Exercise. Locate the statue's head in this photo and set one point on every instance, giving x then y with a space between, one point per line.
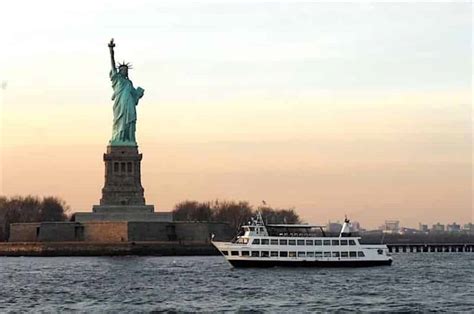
123 68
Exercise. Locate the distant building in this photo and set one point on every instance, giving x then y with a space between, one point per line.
423 227
391 226
469 228
438 228
355 226
333 227
454 227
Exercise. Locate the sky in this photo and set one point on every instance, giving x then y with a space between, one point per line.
333 108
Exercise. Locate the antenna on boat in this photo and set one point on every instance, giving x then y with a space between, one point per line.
345 227
260 218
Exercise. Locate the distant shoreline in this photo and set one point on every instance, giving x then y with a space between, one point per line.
175 248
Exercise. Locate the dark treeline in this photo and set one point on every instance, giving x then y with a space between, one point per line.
29 209
233 212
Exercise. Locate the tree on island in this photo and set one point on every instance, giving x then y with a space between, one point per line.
29 209
235 213
193 211
279 216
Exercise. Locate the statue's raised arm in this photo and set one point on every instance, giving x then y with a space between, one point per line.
112 57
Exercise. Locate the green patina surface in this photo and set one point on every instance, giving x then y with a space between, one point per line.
125 99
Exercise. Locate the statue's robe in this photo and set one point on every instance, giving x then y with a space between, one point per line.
125 99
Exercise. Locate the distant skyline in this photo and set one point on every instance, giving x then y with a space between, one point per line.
361 108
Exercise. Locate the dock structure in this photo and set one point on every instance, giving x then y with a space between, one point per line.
430 247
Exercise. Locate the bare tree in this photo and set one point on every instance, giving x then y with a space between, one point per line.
193 211
29 209
53 209
234 213
279 216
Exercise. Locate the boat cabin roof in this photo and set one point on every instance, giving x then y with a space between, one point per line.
293 226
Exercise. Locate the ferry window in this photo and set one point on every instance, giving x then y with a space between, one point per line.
343 242
301 254
344 254
283 254
265 241
327 242
274 241
353 254
309 242
292 242
252 228
300 242
261 229
380 251
242 241
352 242
274 253
335 254
245 253
310 254
360 254
225 252
256 241
292 254
327 254
318 254
318 242
255 254
283 242
264 254
335 242
234 253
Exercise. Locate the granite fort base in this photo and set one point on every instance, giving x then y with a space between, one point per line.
120 231
123 195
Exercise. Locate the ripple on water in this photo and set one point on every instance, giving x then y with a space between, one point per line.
416 282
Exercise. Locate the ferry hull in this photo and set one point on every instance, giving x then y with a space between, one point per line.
255 263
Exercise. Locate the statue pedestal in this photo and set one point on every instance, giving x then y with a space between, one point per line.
123 209
122 177
123 195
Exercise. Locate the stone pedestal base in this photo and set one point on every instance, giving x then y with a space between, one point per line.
124 216
122 184
110 209
123 195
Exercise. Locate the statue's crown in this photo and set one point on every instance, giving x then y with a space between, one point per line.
124 64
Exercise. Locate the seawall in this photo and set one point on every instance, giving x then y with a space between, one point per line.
150 248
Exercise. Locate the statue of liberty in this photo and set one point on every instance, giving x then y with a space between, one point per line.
125 99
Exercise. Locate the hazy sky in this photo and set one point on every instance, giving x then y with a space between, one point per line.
332 108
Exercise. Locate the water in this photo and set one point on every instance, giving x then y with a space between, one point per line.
424 282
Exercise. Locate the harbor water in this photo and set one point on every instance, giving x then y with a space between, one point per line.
415 282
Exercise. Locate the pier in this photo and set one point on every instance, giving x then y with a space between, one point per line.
430 247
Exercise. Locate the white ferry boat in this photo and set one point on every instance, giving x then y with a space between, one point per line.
261 245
